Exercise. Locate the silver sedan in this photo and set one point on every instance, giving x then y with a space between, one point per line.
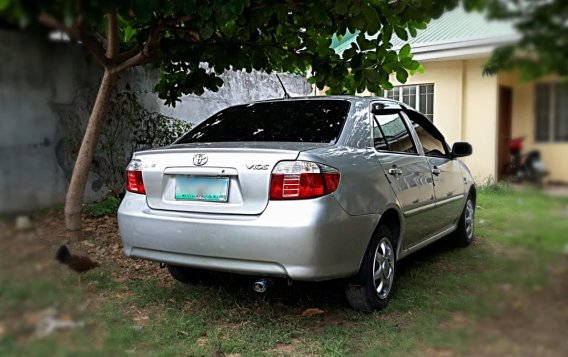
312 189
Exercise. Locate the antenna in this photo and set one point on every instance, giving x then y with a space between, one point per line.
286 95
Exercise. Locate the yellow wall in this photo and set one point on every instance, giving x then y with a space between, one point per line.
554 155
480 120
465 109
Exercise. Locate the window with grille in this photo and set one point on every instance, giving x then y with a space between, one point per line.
419 96
551 112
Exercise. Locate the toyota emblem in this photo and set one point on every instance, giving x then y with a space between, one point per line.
200 159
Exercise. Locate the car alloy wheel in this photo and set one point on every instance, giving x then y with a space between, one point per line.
383 268
372 287
469 219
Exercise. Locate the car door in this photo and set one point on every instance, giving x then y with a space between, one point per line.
408 173
449 187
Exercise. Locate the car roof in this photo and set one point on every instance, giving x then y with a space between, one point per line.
350 98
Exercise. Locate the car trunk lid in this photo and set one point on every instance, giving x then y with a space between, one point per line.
220 178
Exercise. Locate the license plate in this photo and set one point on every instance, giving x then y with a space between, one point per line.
210 189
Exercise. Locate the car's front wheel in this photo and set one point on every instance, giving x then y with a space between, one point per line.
372 288
465 233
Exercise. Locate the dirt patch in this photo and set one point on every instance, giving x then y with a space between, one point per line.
533 324
285 349
31 251
458 321
30 254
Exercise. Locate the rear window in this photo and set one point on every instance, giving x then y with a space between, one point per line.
314 121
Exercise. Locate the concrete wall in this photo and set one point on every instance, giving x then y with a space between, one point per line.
44 85
35 76
239 87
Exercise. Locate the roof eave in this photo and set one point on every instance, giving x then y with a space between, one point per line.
474 48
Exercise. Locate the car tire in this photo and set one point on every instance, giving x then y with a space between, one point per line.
465 232
185 275
371 289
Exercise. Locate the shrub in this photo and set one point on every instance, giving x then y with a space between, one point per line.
106 207
129 127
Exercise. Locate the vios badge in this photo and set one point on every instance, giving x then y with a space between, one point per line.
200 159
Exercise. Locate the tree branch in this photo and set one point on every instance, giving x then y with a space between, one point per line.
100 38
192 32
136 60
88 39
146 54
112 36
53 23
94 46
129 53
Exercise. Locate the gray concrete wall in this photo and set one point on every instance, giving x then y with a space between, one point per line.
45 86
35 75
239 87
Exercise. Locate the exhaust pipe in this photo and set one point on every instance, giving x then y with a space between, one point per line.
261 285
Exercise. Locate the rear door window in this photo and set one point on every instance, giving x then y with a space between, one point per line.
391 134
431 145
316 121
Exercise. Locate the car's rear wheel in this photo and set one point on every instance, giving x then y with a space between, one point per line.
466 225
372 288
186 275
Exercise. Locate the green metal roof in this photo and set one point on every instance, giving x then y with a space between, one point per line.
456 26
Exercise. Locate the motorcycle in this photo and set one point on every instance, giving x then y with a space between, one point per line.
527 167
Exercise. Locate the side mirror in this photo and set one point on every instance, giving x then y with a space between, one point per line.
461 149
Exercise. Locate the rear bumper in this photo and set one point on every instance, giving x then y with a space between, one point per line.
302 240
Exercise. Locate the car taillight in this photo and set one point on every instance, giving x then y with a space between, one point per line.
292 180
134 181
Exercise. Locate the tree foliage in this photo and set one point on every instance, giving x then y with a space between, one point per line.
543 47
193 41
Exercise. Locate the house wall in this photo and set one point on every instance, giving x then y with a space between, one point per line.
523 124
465 109
480 117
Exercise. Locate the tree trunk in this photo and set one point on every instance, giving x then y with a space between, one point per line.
76 190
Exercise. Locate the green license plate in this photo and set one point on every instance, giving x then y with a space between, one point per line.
194 188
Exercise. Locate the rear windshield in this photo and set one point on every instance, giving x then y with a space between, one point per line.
314 121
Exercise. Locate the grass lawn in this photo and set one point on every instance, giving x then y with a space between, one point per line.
487 299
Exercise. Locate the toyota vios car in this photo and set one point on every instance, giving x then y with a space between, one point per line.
304 189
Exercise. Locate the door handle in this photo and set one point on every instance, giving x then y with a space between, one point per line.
395 172
436 171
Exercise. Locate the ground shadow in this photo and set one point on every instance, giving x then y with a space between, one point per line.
327 294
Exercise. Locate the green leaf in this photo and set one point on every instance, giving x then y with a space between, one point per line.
387 85
206 31
4 4
401 33
404 51
412 31
420 25
402 75
413 65
357 60
341 7
129 32
372 19
205 11
372 76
